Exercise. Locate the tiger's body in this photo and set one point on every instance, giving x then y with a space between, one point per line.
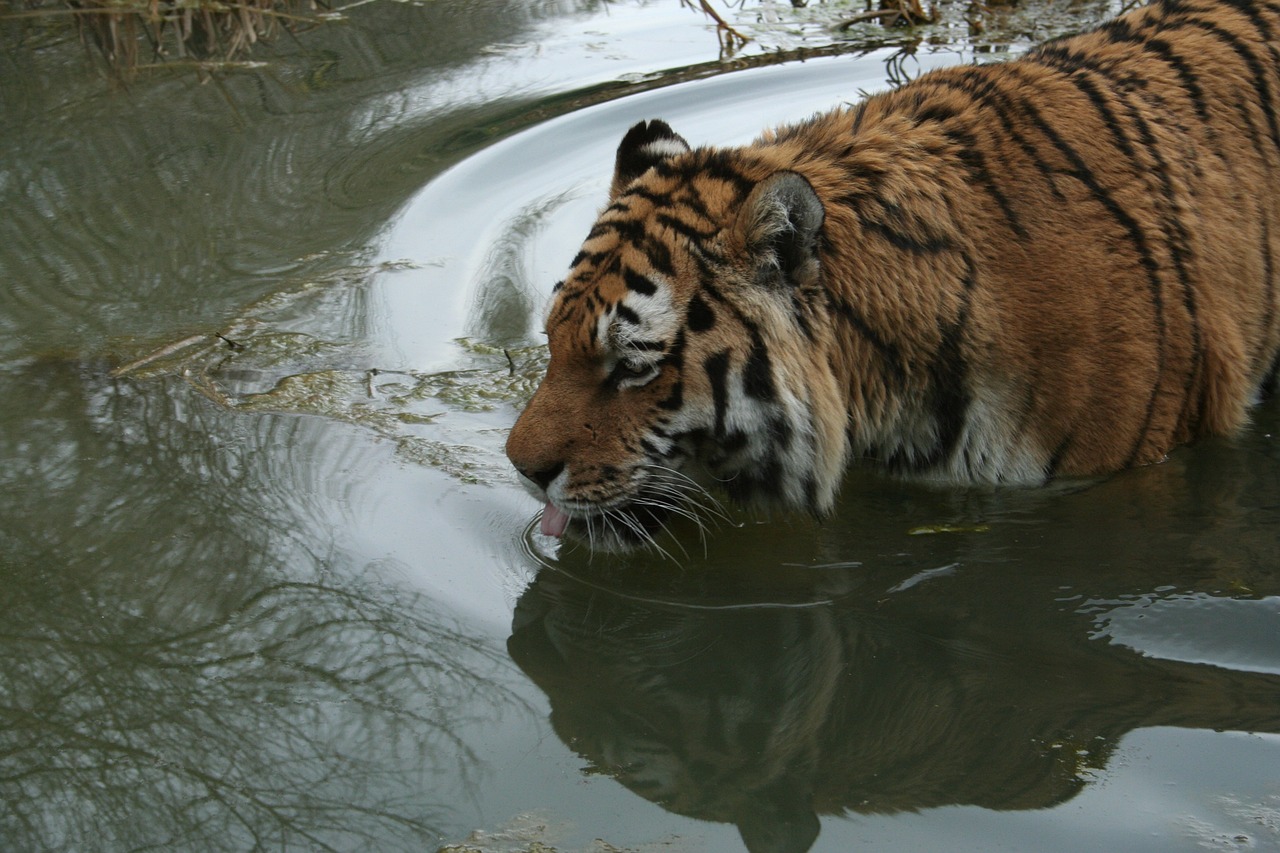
1063 265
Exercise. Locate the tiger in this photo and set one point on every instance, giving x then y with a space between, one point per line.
1059 266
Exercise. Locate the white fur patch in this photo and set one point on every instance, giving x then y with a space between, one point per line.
661 149
990 450
658 321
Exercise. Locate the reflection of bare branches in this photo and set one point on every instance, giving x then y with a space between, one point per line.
504 296
296 716
293 717
896 65
187 662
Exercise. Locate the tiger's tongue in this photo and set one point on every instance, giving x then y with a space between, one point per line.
554 521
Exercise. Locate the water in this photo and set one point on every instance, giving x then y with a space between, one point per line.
268 581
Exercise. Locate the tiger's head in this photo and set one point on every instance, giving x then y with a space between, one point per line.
690 345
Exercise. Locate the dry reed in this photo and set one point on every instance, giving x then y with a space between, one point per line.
133 33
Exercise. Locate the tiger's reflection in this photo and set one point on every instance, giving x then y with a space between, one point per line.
767 716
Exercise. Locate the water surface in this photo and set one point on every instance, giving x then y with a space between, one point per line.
269 582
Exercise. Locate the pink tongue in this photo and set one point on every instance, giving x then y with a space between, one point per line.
553 520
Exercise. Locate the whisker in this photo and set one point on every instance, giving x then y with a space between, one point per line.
675 509
676 480
685 496
633 524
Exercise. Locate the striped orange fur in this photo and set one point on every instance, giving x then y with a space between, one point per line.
1062 265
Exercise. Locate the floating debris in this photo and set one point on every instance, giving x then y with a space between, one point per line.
926 529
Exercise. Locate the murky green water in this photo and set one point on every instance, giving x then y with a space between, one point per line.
267 582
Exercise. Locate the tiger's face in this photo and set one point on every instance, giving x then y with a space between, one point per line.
688 347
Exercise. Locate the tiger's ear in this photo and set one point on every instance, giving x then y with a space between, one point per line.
780 223
646 144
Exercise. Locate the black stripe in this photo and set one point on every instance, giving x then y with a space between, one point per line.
766 477
659 256
949 397
1055 458
675 357
721 166
1074 66
770 477
684 228
563 307
933 111
691 200
977 83
1269 284
948 376
638 283
928 244
1177 238
889 353
1081 170
858 115
709 288
593 257
757 375
1119 31
1264 29
700 317
733 442
1270 381
800 313
656 199
626 229
1257 71
1255 17
976 164
780 433
811 494
717 369
626 315
674 399
1190 83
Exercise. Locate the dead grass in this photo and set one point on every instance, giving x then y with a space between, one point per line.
130 34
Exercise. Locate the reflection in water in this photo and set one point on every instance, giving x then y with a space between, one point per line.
189 659
241 187
198 650
506 296
766 717
858 679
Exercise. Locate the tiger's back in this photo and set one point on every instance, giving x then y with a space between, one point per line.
1112 279
1062 265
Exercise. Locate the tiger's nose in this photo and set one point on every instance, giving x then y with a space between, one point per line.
543 477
